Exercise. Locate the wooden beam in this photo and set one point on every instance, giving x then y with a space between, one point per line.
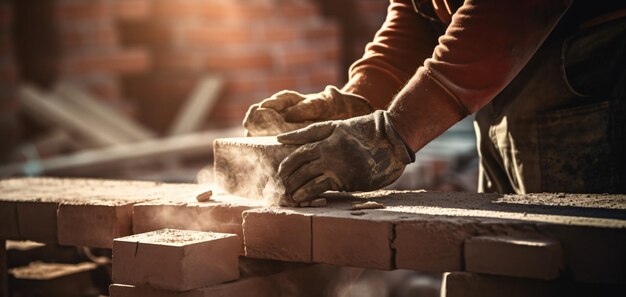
129 129
90 161
197 107
55 112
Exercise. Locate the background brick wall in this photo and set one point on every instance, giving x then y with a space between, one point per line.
144 57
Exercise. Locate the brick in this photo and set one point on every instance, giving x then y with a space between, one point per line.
104 35
176 60
91 212
175 259
210 36
239 61
126 61
77 11
52 279
464 284
278 33
245 166
132 10
298 57
539 258
93 224
220 214
278 234
358 241
429 245
283 81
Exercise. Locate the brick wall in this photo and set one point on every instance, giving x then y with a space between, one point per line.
91 53
258 46
149 54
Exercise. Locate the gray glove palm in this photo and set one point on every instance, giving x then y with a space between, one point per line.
287 110
359 154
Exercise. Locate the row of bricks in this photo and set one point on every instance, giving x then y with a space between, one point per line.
406 235
410 233
403 238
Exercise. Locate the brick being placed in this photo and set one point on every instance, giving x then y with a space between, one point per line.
246 166
540 258
176 260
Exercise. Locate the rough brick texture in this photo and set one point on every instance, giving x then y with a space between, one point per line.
425 231
514 256
176 260
246 166
81 212
265 43
278 235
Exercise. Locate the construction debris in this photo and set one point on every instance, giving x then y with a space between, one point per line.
204 196
367 205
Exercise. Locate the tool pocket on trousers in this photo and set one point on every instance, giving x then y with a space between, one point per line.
575 149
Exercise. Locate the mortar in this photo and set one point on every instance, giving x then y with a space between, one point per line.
245 166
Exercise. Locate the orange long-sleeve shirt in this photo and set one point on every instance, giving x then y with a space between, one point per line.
485 45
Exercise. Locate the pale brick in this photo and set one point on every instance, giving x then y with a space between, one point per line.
220 214
277 234
93 212
176 260
464 284
358 241
514 256
429 245
93 224
243 166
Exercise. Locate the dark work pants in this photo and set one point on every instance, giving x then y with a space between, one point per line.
559 126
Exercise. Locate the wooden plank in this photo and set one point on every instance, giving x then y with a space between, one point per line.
197 107
91 106
92 161
53 111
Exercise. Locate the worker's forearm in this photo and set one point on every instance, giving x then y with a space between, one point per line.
403 42
423 110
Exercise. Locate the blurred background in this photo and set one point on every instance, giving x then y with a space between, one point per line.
138 89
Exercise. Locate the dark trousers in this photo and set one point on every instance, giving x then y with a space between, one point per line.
559 126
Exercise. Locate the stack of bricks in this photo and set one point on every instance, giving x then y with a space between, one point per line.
259 47
91 53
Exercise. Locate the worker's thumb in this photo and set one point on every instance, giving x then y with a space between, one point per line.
309 134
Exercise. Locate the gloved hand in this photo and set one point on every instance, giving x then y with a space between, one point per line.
359 154
287 110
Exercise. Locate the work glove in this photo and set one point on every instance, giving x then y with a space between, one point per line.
287 110
359 154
